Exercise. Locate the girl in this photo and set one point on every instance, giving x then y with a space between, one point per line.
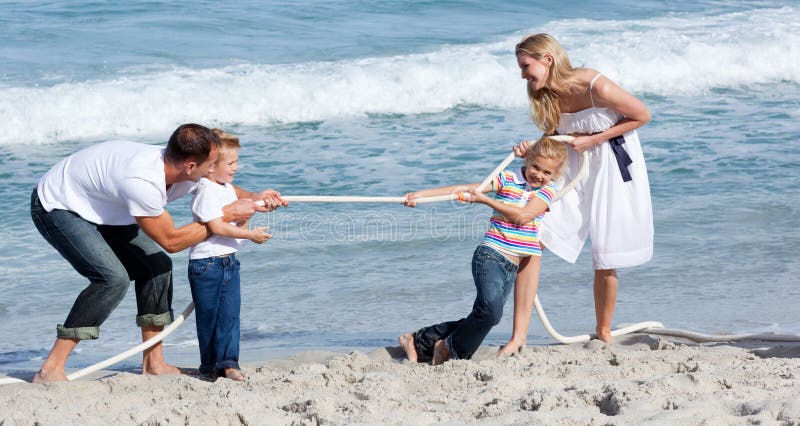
509 248
612 205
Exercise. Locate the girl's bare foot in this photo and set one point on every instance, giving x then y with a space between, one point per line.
510 348
440 353
604 334
235 374
43 376
407 343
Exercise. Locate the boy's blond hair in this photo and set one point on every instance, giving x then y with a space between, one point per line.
228 140
549 148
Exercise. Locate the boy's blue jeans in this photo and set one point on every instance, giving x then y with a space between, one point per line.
110 257
217 301
494 276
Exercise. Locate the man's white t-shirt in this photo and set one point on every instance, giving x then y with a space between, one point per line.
111 183
209 198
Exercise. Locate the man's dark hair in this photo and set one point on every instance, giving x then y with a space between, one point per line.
190 141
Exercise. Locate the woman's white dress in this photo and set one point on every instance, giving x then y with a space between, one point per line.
615 214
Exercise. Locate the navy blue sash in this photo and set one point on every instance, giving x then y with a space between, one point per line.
623 159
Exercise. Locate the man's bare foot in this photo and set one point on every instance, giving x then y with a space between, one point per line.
49 376
407 343
159 369
510 348
440 353
604 334
235 374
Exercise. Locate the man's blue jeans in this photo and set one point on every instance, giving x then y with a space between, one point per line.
494 276
217 301
110 257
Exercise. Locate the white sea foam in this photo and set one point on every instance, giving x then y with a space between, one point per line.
681 54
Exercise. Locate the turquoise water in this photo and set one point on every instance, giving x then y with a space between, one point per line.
352 98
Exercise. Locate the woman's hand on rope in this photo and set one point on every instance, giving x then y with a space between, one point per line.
582 142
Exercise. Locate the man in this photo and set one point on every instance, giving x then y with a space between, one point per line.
102 208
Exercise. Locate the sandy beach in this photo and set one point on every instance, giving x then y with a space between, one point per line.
638 379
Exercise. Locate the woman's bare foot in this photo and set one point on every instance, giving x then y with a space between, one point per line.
510 348
407 343
43 376
235 374
604 334
440 353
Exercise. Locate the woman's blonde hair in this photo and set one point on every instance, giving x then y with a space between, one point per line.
549 148
545 111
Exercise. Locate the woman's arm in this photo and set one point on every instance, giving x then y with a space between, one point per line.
608 94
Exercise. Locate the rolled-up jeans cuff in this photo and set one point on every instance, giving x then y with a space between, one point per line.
449 343
80 333
154 319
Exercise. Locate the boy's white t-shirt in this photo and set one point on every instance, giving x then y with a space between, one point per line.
111 183
209 198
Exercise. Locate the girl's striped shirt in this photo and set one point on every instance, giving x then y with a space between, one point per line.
506 237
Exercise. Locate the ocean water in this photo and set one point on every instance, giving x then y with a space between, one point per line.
381 98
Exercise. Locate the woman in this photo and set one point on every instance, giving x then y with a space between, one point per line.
612 205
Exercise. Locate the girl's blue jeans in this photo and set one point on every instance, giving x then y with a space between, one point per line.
494 277
110 257
217 301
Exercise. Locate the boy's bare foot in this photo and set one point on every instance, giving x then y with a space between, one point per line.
510 348
440 353
407 343
43 376
604 334
235 374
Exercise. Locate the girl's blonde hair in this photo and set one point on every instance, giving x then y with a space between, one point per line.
545 111
549 148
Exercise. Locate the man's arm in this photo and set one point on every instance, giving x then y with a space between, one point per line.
162 230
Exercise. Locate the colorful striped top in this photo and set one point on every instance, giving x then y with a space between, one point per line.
505 236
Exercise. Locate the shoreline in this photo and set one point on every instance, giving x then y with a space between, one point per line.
637 379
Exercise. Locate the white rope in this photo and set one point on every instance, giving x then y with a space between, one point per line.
701 337
651 327
135 350
586 337
500 167
127 354
319 199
